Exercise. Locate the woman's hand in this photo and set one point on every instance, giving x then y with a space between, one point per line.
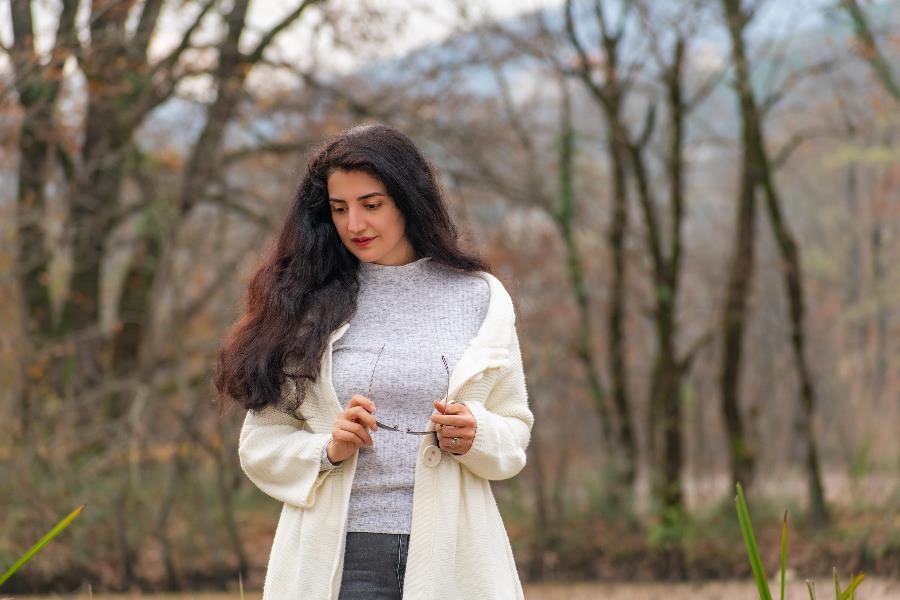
456 427
351 429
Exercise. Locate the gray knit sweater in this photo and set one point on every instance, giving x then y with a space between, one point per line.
416 312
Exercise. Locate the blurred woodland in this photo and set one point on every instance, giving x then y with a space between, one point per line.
695 205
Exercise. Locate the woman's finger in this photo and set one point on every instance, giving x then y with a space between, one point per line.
360 431
463 445
356 429
362 401
448 433
454 420
361 415
456 408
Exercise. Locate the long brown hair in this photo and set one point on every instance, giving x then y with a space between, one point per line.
306 286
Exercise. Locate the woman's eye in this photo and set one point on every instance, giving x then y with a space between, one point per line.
372 206
337 209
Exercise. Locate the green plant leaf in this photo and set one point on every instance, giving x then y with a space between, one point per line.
850 592
759 573
812 589
837 584
57 529
783 551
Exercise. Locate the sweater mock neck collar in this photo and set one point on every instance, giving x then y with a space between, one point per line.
376 272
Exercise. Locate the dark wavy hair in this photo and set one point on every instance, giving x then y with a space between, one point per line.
307 284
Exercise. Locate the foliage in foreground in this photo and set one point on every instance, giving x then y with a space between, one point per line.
57 529
759 572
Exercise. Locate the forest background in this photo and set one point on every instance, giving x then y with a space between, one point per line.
695 205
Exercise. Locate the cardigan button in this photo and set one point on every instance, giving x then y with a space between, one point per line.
431 456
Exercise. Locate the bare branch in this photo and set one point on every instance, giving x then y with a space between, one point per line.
23 29
108 19
235 156
521 132
694 349
168 63
359 108
705 89
796 140
223 275
583 68
793 80
871 52
529 45
256 55
146 26
226 201
649 126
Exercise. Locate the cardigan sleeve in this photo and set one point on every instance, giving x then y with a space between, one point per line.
503 423
280 457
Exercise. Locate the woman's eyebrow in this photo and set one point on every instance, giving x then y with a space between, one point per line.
363 197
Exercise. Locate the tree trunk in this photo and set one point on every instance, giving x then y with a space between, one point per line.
664 414
879 376
755 151
609 98
37 86
565 218
793 283
741 271
200 170
667 288
617 350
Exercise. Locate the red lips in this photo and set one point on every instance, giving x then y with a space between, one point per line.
362 241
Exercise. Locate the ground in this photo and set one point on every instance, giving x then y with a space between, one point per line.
874 589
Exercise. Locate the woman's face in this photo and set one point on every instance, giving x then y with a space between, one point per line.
367 220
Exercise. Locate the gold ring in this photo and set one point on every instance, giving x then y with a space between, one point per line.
454 443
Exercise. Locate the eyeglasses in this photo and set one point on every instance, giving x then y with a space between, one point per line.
399 428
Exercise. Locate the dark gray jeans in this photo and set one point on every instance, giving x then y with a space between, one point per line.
374 566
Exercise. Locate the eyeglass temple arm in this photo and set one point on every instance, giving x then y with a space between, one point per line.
407 429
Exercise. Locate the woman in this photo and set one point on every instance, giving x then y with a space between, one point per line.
381 370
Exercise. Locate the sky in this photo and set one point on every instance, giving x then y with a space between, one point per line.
412 23
402 26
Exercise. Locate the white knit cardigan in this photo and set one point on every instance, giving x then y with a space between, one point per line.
458 545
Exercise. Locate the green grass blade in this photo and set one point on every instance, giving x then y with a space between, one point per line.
837 584
850 592
812 589
759 573
783 551
41 543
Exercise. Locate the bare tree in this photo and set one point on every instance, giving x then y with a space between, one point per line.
124 83
740 283
610 91
759 176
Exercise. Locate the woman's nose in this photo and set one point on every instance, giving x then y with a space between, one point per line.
355 222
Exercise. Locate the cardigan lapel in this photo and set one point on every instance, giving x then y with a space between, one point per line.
326 383
490 347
